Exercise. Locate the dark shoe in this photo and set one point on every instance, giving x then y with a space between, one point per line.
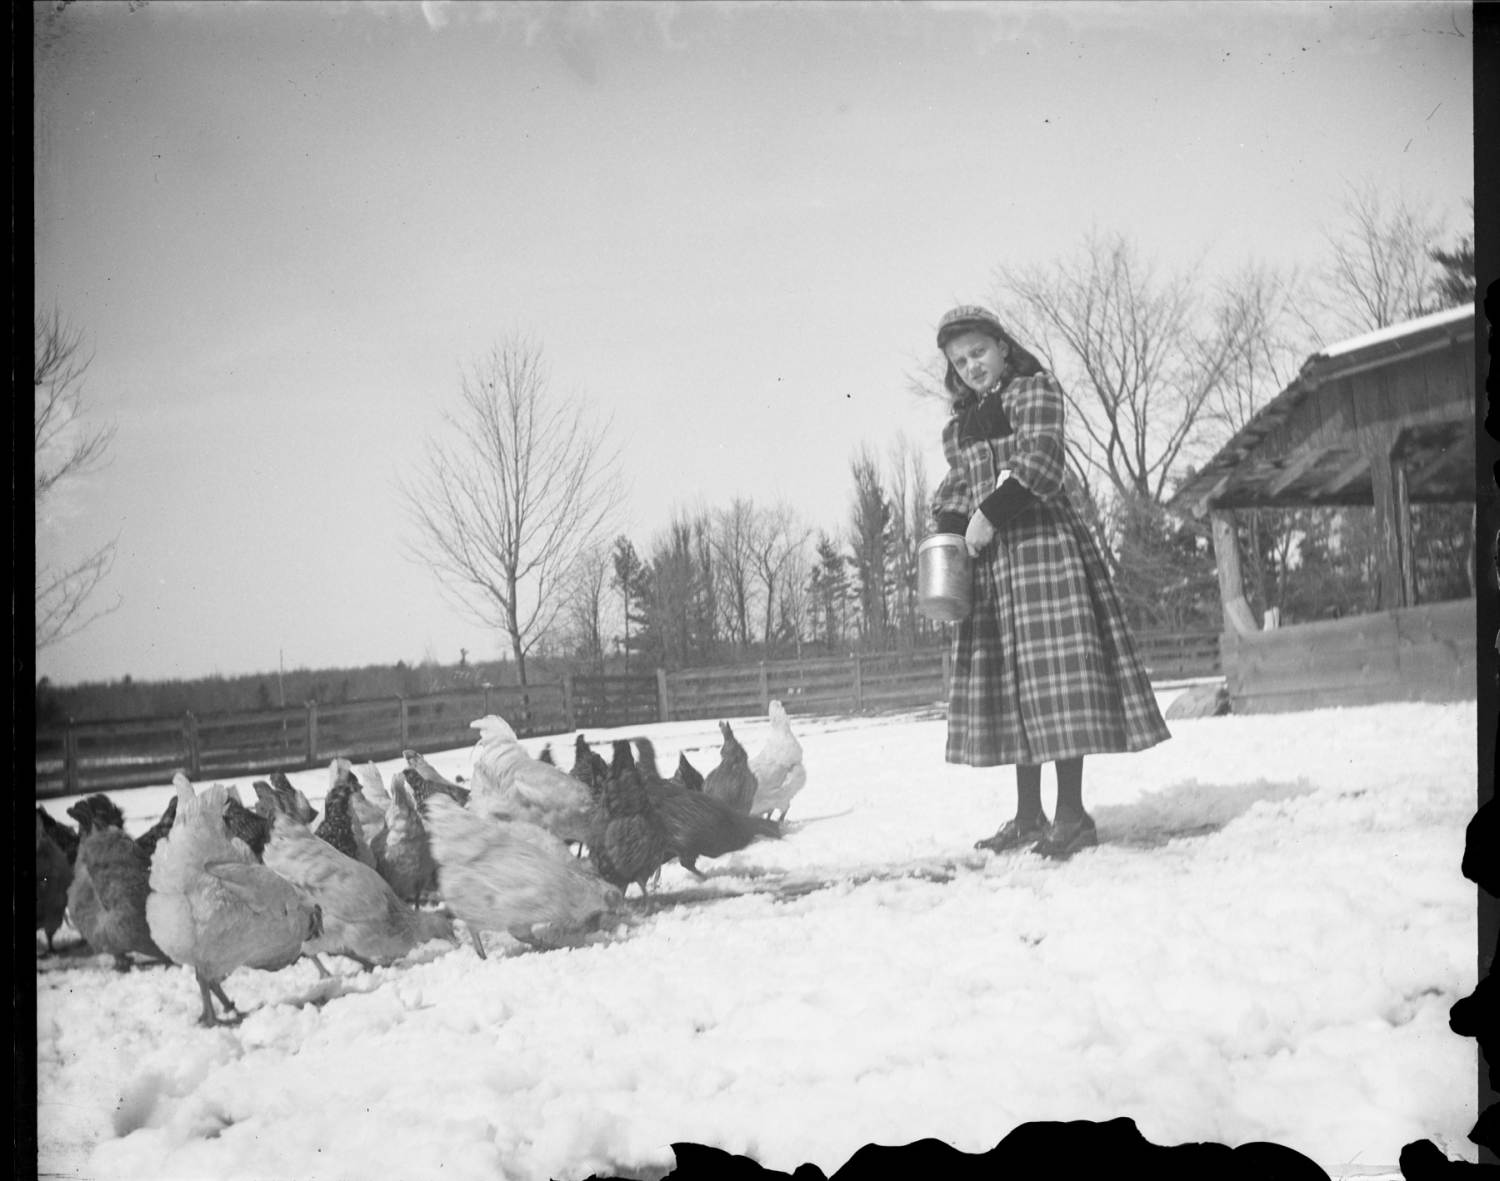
1066 837
1013 834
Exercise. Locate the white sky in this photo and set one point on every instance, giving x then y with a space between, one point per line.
286 228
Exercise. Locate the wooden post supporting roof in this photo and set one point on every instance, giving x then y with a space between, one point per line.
1237 614
1392 517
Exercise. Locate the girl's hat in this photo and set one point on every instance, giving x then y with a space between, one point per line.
969 318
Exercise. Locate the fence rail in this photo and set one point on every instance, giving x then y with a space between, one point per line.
94 756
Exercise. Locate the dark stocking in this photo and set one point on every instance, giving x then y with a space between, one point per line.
1069 789
1028 795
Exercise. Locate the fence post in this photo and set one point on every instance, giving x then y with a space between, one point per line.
663 698
70 759
190 743
569 718
312 732
487 708
765 690
859 688
405 723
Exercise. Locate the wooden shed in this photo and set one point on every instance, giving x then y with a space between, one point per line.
1384 419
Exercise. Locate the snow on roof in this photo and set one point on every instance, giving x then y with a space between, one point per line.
1397 331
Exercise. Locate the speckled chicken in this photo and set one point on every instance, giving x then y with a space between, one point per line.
419 764
213 908
495 880
53 877
732 781
509 784
369 818
339 827
111 880
404 857
362 916
249 826
777 766
589 768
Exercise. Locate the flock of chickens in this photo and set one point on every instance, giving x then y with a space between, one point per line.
542 854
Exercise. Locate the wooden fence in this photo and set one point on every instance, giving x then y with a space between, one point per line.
95 756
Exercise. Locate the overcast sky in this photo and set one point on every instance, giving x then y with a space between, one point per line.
287 228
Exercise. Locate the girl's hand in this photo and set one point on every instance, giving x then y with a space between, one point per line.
979 533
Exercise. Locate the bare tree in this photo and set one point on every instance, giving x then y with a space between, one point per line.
503 511
587 604
1380 269
735 538
777 560
1139 355
66 449
869 532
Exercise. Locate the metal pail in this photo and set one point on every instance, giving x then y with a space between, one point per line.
945 586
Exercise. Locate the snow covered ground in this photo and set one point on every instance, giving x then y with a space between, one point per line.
1264 947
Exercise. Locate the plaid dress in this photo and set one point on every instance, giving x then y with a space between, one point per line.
1044 667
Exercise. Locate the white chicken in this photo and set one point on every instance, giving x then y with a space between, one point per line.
362 916
508 784
497 880
214 908
373 786
779 773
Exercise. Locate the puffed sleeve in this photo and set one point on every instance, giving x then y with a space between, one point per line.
953 502
1035 452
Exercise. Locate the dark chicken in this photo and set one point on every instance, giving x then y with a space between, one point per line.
645 759
250 826
687 775
148 840
589 768
732 781
628 842
64 836
698 825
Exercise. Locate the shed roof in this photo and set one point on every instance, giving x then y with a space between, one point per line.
1243 472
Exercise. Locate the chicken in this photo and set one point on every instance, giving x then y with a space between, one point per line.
251 827
588 767
546 756
362 916
96 811
509 784
732 781
53 877
340 829
292 798
645 758
628 842
404 858
422 788
64 836
778 769
686 774
422 767
149 839
698 825
374 789
213 908
107 899
496 881
369 817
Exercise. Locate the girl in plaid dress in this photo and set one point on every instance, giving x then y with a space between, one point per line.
1045 670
